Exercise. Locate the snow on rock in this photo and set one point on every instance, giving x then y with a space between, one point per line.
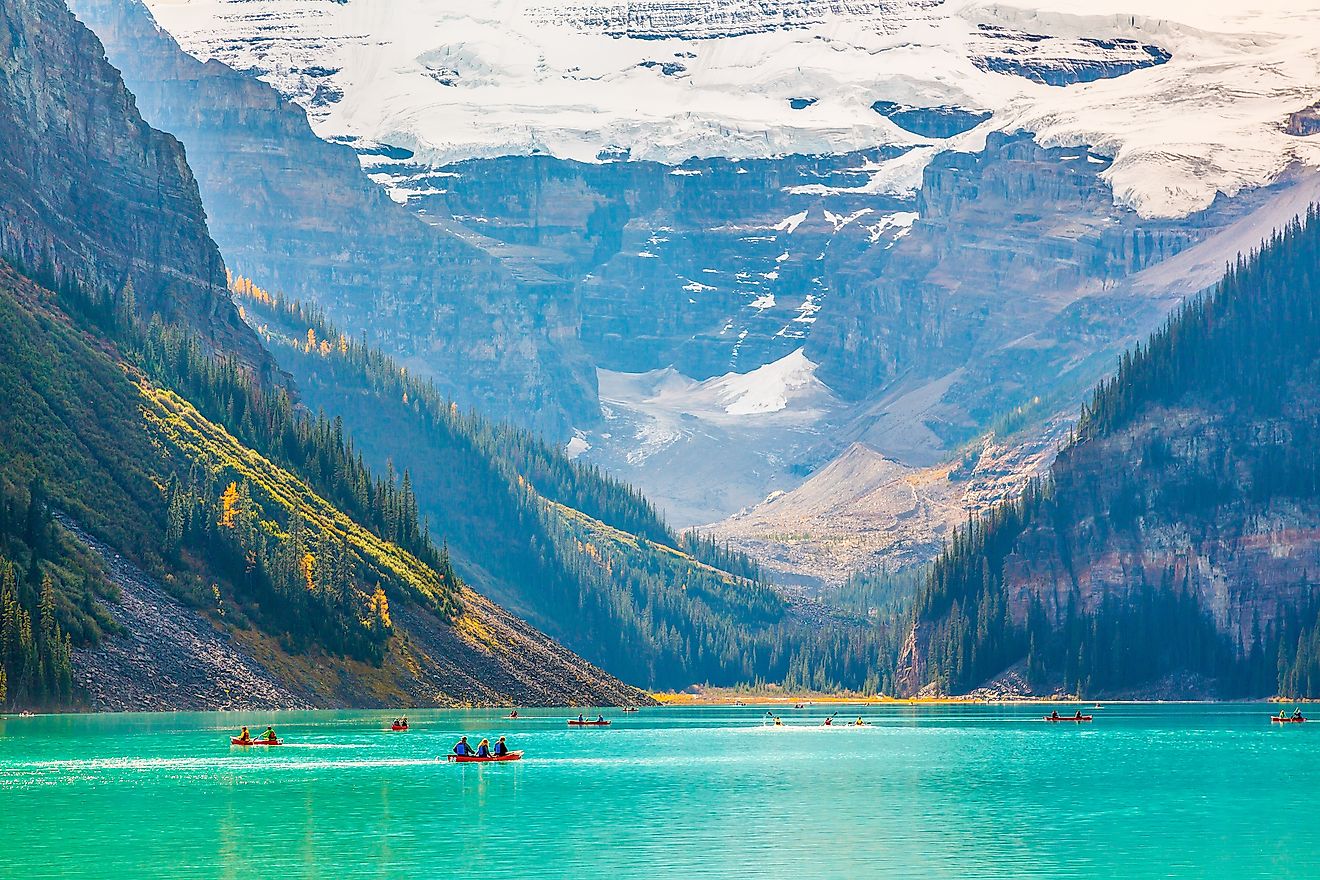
766 389
576 446
1190 99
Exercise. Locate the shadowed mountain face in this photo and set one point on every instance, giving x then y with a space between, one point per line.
299 214
92 196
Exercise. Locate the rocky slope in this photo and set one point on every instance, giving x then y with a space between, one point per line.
90 194
298 213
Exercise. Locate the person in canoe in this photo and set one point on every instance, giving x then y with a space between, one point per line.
462 748
582 719
483 749
501 749
829 722
600 719
859 722
1054 716
513 714
269 734
245 736
1297 713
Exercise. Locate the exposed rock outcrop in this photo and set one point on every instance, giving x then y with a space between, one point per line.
90 194
300 215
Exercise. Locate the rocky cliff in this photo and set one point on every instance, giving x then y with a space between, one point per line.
92 196
300 214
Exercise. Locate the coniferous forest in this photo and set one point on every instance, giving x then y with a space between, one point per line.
1208 427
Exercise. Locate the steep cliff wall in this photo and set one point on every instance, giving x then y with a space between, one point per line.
90 194
299 213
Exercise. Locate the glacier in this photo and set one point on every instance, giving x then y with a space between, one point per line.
1187 99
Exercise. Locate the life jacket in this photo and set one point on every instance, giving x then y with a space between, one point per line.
483 752
462 749
501 749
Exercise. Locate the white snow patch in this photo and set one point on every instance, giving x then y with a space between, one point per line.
766 389
899 221
789 224
576 446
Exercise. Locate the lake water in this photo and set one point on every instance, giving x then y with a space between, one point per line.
958 791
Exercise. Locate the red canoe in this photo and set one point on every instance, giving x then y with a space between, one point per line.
588 724
1286 720
398 727
473 759
1068 718
235 741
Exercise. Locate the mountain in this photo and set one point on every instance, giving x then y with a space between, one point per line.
1003 200
177 531
299 213
131 233
1174 548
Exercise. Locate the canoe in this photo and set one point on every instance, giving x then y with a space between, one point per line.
235 741
398 727
473 759
1068 718
1286 720
588 724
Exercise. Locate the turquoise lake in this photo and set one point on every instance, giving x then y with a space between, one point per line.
957 791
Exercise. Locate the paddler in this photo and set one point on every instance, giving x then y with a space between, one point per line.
269 735
245 736
1297 713
513 714
483 749
582 719
600 719
860 722
1054 716
462 748
500 748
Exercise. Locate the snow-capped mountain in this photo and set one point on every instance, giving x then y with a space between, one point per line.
919 220
1189 99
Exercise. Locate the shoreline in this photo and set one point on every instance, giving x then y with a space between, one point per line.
722 698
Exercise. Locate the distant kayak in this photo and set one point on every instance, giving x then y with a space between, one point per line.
473 759
576 723
1068 718
235 741
1286 720
398 727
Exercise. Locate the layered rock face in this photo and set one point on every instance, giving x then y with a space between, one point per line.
1148 514
92 196
298 213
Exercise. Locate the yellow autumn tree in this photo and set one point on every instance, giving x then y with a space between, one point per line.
307 565
228 506
378 612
